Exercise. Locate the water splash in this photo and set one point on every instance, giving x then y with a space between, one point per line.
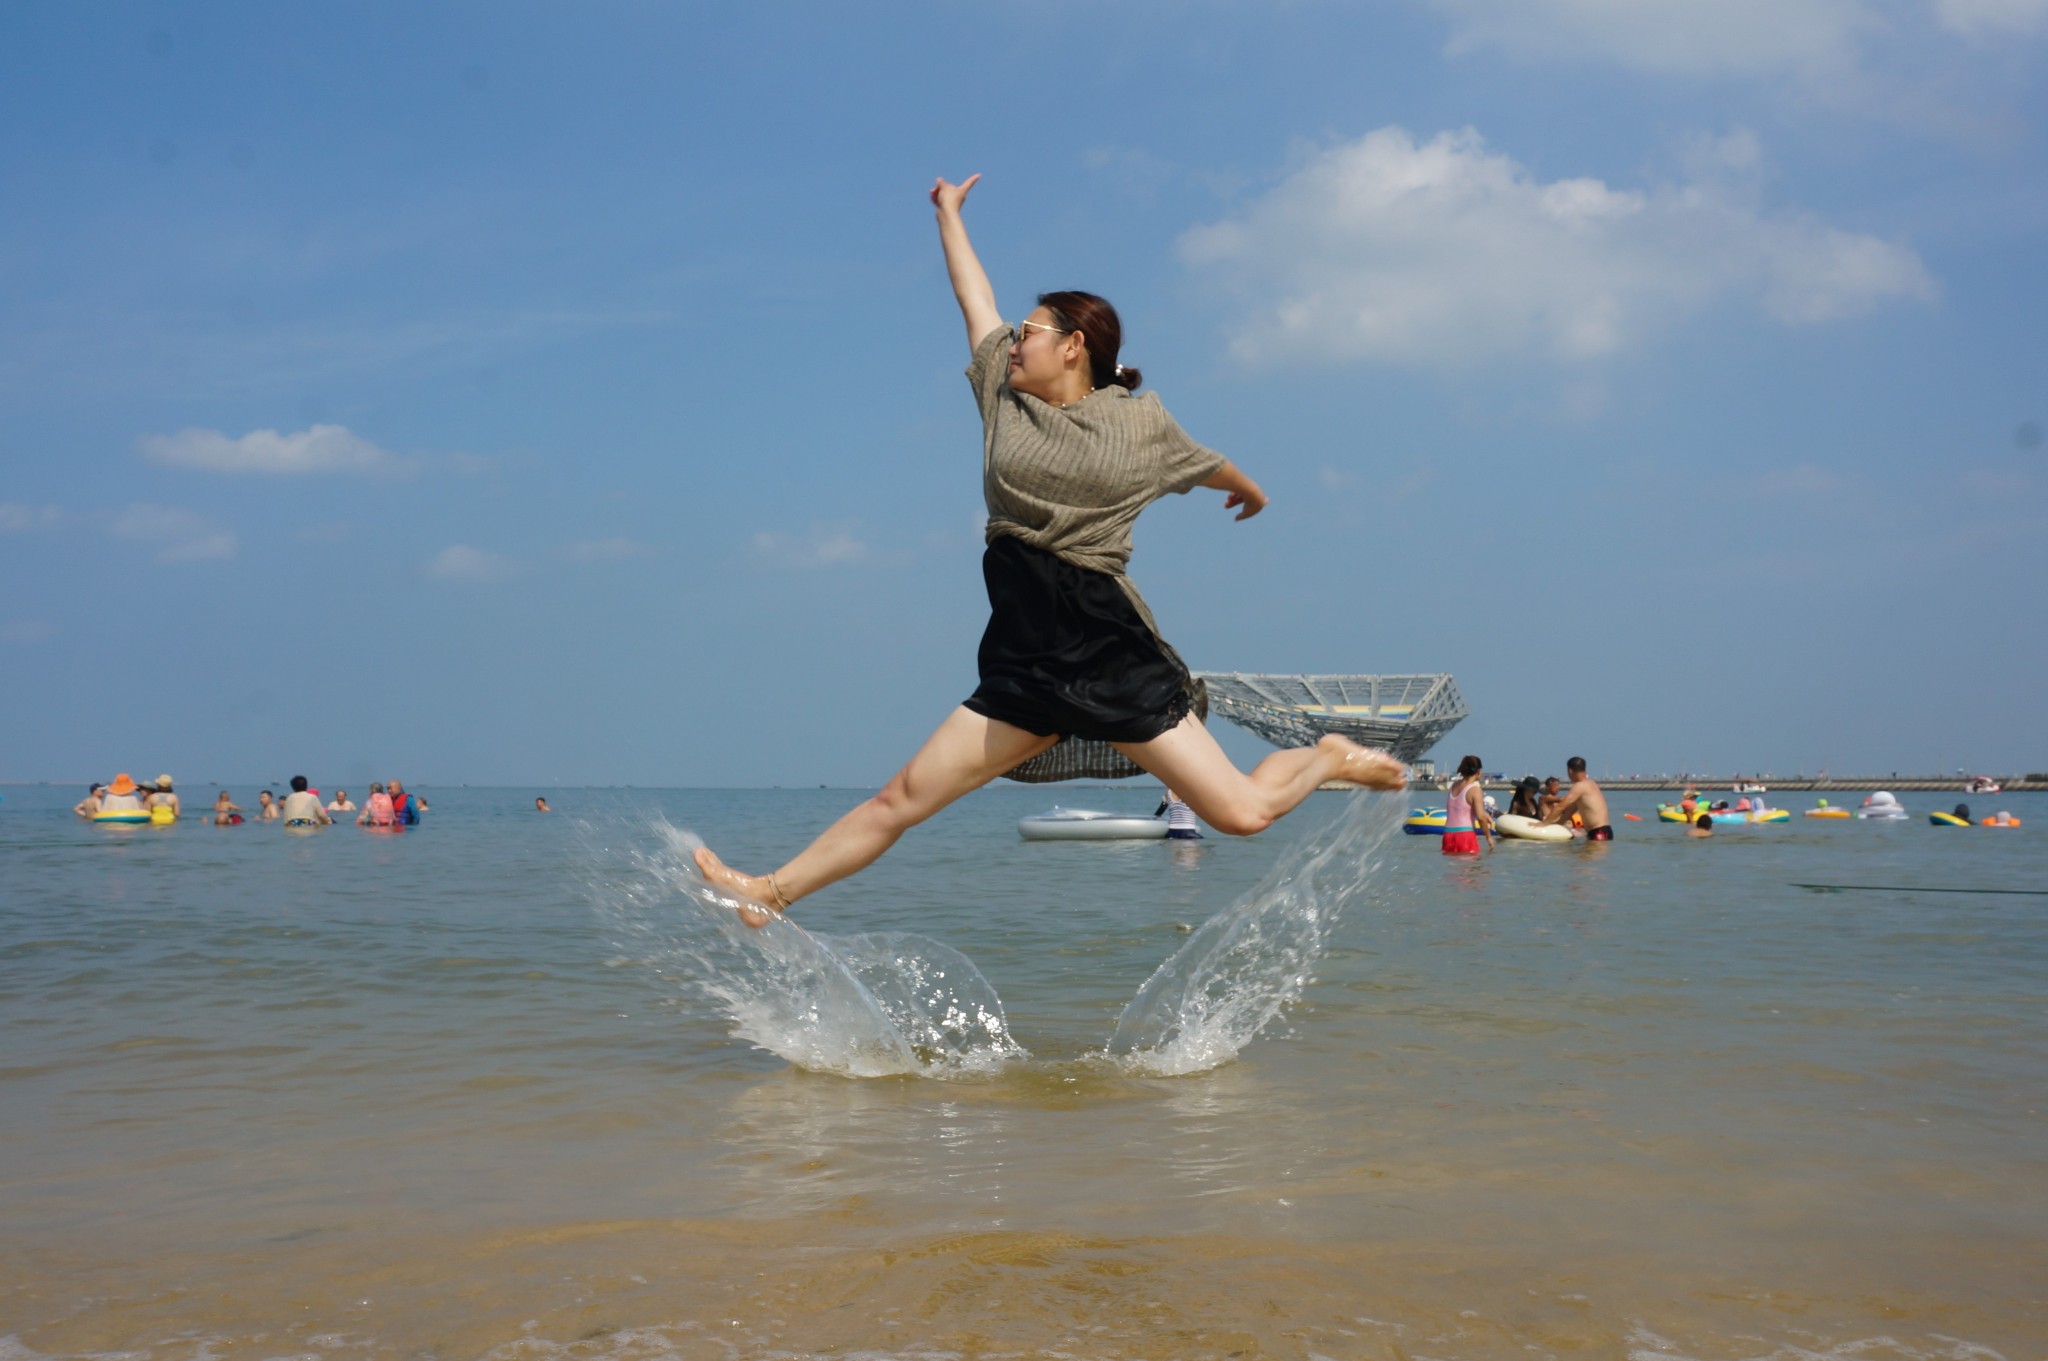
1252 960
870 1005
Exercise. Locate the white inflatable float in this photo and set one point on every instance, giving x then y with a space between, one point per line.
1082 824
1529 829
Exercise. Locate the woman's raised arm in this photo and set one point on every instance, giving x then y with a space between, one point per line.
971 288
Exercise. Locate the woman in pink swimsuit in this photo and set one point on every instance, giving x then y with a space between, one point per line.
1466 811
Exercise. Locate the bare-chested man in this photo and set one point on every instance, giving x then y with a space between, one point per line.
1587 798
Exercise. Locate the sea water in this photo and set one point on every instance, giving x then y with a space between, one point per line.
517 1086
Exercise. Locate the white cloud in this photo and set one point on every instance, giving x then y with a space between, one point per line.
16 518
460 562
317 449
607 550
176 535
25 632
1445 252
826 545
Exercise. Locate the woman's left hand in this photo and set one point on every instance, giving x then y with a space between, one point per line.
1250 497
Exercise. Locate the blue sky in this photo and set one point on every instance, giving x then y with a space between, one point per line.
537 393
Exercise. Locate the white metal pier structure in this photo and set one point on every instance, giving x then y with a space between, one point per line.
1407 715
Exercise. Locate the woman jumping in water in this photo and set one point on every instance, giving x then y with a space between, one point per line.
1069 458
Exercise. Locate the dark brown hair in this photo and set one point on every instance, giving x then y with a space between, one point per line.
1099 325
1469 766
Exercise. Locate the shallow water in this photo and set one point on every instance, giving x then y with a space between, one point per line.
476 1090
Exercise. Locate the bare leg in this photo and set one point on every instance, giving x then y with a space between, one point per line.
965 753
1187 758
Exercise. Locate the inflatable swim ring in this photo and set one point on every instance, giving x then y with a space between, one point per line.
1082 824
1424 822
2003 820
1729 819
1947 820
126 817
1829 813
1529 829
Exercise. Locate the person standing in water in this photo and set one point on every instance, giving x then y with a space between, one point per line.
1070 456
408 807
166 796
302 807
1465 811
1587 799
377 809
1180 819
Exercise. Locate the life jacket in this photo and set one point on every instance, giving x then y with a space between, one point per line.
406 809
378 813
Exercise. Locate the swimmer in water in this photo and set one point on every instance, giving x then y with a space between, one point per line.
1070 457
302 806
1465 813
540 805
226 813
1586 799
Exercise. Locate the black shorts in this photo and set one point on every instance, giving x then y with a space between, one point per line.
1066 653
1600 834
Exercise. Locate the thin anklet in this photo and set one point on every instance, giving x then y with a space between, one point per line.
781 900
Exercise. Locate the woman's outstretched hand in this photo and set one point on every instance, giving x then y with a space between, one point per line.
1251 498
950 198
1243 491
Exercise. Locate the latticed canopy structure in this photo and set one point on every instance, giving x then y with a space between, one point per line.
1405 714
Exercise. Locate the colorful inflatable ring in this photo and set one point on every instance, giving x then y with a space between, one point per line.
124 817
1947 820
1425 822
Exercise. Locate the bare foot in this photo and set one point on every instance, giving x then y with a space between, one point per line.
757 892
1368 766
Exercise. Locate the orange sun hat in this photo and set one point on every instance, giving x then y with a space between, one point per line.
124 783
